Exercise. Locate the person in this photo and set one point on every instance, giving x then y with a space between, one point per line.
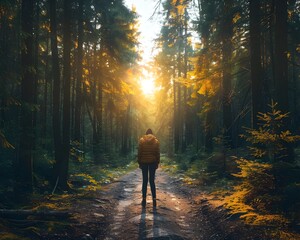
148 159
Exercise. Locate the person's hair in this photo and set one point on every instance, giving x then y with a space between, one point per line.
149 131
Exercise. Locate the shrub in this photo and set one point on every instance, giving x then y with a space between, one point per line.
268 184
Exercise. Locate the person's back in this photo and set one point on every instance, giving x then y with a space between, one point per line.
148 159
148 149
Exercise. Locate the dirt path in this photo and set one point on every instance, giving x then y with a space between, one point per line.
173 218
182 212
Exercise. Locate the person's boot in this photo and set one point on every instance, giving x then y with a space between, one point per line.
154 202
144 202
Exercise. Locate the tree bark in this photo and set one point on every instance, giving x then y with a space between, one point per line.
186 138
175 115
77 133
126 129
208 129
281 61
99 106
44 107
24 171
255 60
227 70
56 118
64 164
281 68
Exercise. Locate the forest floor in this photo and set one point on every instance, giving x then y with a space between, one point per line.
182 212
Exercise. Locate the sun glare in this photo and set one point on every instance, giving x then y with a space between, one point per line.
147 86
147 82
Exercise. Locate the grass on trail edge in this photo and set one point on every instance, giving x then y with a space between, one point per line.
225 193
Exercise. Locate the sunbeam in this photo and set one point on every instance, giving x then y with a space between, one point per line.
147 86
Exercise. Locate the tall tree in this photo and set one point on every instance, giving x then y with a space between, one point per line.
281 67
78 105
56 95
295 39
227 33
255 60
174 36
207 70
64 165
24 171
281 54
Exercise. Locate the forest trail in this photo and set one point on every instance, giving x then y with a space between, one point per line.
183 212
173 218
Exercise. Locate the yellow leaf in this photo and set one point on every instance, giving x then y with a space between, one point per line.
194 95
180 9
236 17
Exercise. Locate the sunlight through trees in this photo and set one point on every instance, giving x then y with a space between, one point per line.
81 81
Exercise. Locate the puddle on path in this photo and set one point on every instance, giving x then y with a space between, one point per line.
161 233
150 217
177 208
128 189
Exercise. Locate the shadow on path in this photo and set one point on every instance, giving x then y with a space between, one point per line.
171 219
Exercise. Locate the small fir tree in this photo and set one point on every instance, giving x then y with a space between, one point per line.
262 190
270 140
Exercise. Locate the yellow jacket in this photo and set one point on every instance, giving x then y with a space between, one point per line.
148 151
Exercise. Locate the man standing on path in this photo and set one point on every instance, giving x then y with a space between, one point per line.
148 159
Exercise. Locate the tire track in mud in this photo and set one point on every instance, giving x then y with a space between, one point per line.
173 218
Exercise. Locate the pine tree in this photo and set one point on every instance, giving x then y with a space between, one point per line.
270 140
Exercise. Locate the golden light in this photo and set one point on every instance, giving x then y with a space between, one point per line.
147 86
147 82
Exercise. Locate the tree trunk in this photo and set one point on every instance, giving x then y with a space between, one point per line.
227 69
56 119
126 131
63 173
175 116
295 111
24 172
97 110
281 68
271 85
208 129
255 60
281 62
99 106
36 67
185 137
77 133
180 103
44 107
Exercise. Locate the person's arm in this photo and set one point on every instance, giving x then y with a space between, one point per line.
157 154
139 153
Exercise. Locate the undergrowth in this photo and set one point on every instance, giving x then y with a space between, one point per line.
86 179
201 169
248 189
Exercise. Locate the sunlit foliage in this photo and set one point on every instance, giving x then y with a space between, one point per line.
254 200
263 192
270 139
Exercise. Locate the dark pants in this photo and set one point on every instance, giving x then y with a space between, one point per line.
149 170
